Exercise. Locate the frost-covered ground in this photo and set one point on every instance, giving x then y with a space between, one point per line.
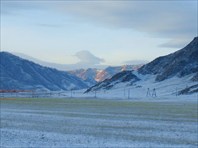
165 90
72 122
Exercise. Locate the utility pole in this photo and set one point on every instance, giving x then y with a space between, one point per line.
32 94
124 93
154 93
129 93
148 94
95 94
71 93
176 92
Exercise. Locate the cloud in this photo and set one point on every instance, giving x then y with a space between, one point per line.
161 19
135 62
175 43
90 62
87 58
14 7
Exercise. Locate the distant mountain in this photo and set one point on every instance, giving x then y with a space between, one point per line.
112 70
92 75
183 63
88 75
180 63
121 77
18 73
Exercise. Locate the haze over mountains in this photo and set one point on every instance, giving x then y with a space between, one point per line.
82 64
178 65
85 62
18 73
90 75
61 67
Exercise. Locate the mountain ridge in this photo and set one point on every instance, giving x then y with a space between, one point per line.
19 73
94 75
175 63
179 64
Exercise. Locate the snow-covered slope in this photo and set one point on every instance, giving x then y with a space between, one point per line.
178 70
18 73
121 77
167 89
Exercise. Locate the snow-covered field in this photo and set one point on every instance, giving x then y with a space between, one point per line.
165 90
72 122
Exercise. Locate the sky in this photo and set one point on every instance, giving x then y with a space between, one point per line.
97 32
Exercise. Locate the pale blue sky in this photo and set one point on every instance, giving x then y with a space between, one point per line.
113 32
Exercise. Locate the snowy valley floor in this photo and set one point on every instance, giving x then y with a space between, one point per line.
72 122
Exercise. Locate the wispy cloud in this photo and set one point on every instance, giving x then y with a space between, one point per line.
175 43
165 19
13 7
135 62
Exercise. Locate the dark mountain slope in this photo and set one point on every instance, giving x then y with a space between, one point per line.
180 63
18 73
